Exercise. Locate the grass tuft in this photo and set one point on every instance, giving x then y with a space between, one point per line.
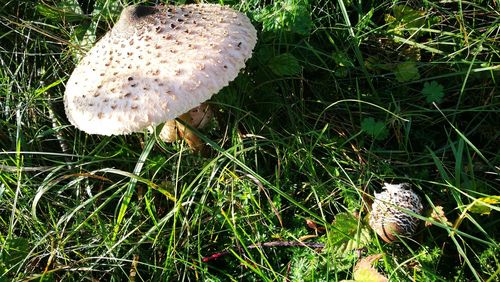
338 98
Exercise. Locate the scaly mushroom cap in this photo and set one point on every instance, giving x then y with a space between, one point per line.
156 64
388 217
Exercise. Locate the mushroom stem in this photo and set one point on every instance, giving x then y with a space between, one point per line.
197 117
194 142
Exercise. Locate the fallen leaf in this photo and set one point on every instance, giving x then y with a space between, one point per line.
311 224
439 216
365 272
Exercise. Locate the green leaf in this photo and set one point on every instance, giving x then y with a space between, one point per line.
403 17
376 129
365 21
284 65
408 17
407 71
433 92
14 252
344 235
288 15
342 59
343 62
479 206
65 11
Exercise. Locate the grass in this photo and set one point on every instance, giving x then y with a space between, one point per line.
339 97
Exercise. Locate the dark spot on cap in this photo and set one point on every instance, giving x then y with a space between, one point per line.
142 11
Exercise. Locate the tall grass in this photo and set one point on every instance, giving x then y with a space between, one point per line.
339 97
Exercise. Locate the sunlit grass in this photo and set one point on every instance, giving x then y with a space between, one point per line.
330 106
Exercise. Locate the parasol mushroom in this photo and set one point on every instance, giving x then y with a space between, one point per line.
388 217
156 64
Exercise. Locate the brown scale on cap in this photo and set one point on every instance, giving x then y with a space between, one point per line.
164 49
388 216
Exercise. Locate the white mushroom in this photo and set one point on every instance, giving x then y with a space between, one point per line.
156 64
388 216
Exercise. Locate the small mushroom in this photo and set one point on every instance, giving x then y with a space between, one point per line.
156 64
388 216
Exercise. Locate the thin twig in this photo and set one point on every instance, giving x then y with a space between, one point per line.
218 255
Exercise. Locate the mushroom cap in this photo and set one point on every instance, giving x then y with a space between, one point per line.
156 64
388 217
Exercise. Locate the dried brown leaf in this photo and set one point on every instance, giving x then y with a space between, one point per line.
439 216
